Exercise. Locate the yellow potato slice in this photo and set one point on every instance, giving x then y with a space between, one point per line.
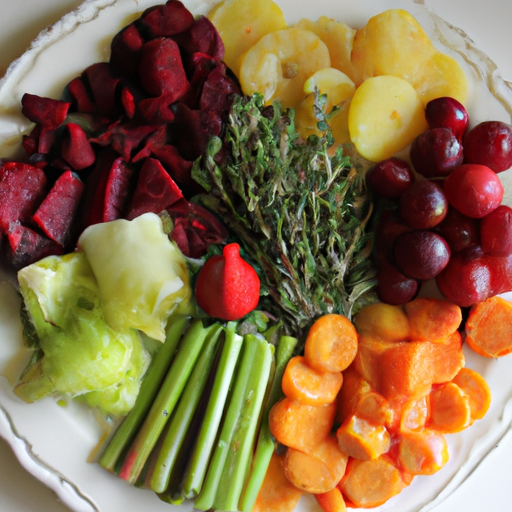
242 23
391 43
279 64
339 88
338 37
386 115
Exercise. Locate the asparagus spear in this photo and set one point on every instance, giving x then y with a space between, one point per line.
165 401
184 413
148 390
196 470
266 442
228 469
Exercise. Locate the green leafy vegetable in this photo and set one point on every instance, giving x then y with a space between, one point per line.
297 210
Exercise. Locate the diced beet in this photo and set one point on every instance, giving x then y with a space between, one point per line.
155 190
161 70
218 91
30 142
56 213
81 97
176 166
166 20
45 111
103 88
201 37
198 68
124 51
25 246
117 190
128 102
155 110
22 188
75 148
193 129
123 137
195 228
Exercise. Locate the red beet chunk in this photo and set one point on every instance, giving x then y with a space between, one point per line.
218 91
75 148
22 187
155 111
103 87
81 97
108 189
155 190
166 20
161 70
125 50
46 111
195 228
201 37
56 213
25 246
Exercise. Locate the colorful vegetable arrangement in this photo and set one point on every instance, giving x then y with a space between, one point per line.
227 346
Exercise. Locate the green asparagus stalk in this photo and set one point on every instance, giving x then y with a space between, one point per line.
148 391
184 413
165 401
266 443
201 454
228 468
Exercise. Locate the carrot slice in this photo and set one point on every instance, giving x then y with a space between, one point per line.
489 327
331 501
303 383
360 439
375 409
331 343
476 389
383 321
370 483
301 426
432 319
354 386
422 453
450 410
277 494
318 471
415 414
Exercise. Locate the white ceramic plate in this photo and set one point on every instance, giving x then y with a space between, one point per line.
53 442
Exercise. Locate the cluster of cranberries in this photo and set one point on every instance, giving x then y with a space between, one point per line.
446 220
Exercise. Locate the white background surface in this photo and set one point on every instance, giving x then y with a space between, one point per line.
487 22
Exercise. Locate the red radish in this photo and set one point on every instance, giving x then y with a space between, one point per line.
227 287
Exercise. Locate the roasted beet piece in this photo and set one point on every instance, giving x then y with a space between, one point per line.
218 91
155 111
22 188
81 97
161 70
107 190
103 88
25 246
124 51
45 111
75 148
56 214
201 37
195 228
166 20
193 129
155 190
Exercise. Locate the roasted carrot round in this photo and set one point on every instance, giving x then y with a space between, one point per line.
303 383
476 389
450 411
331 343
331 501
422 453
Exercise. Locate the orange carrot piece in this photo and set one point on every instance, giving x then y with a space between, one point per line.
383 321
331 343
301 426
450 410
303 383
432 319
354 386
319 471
360 439
489 327
375 409
422 453
331 501
476 389
370 483
277 494
415 414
